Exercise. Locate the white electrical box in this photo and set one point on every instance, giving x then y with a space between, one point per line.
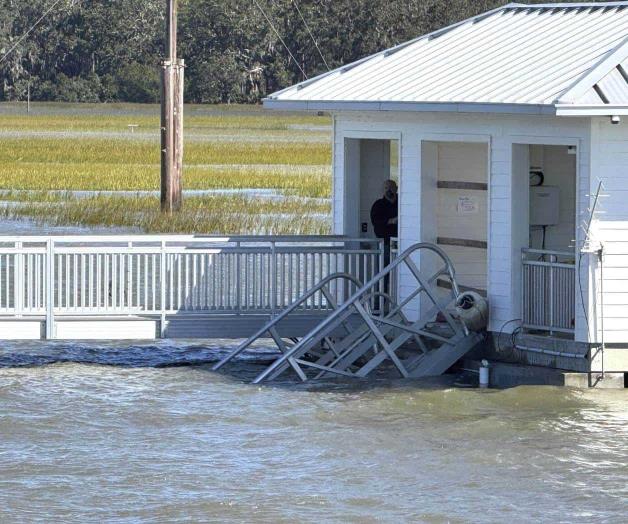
544 205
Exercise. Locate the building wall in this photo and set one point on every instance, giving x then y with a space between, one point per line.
609 164
501 133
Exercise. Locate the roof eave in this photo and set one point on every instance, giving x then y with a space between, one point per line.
446 107
592 110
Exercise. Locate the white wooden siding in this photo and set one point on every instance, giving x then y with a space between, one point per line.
609 164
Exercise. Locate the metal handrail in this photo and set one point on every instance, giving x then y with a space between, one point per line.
99 275
533 251
269 327
403 258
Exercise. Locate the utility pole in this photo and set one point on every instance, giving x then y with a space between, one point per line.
171 117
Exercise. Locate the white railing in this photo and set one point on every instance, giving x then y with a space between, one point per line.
104 275
548 290
393 285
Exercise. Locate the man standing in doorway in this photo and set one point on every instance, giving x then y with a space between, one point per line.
384 214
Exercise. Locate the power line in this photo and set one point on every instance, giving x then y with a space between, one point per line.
279 36
311 35
30 30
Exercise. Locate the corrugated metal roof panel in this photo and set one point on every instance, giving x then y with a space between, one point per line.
591 98
517 54
613 88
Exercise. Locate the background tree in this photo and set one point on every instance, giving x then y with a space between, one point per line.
110 50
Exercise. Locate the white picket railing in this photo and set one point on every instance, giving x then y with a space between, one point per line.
548 290
159 274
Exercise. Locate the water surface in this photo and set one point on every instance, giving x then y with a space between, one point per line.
148 433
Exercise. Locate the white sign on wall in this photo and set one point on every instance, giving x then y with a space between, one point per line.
468 205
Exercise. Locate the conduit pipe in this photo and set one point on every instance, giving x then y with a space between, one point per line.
550 352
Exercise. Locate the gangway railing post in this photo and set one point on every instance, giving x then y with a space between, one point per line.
18 279
129 276
50 289
238 279
162 289
381 244
552 290
273 279
524 287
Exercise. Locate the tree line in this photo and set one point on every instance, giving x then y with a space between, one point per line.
110 50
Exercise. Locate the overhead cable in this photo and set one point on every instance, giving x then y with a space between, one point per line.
272 26
311 35
30 30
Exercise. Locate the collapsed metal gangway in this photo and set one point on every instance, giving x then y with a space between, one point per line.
369 328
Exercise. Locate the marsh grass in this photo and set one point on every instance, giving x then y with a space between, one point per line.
68 147
104 177
33 196
223 214
100 117
121 151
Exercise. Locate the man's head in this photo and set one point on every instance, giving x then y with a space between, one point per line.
390 190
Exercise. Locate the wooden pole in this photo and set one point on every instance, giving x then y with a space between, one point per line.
171 117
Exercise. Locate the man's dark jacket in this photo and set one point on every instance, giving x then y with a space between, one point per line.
381 212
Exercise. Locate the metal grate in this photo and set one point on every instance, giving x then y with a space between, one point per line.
548 290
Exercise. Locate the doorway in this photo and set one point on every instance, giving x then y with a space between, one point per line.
552 198
544 230
368 163
454 178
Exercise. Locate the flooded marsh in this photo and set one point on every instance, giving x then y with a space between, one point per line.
225 214
64 147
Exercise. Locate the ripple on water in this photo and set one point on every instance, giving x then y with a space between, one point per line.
148 433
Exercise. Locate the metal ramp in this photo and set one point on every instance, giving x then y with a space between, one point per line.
332 289
369 328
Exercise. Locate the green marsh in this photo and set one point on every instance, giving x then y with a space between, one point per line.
64 147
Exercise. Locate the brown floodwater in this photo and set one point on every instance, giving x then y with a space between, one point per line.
148 433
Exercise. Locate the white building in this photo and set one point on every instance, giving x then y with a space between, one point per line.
467 117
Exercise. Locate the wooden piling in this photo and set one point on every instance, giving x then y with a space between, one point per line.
172 81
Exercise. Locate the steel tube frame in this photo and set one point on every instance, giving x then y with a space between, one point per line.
330 323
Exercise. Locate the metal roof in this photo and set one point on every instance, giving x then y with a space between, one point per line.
609 95
541 58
